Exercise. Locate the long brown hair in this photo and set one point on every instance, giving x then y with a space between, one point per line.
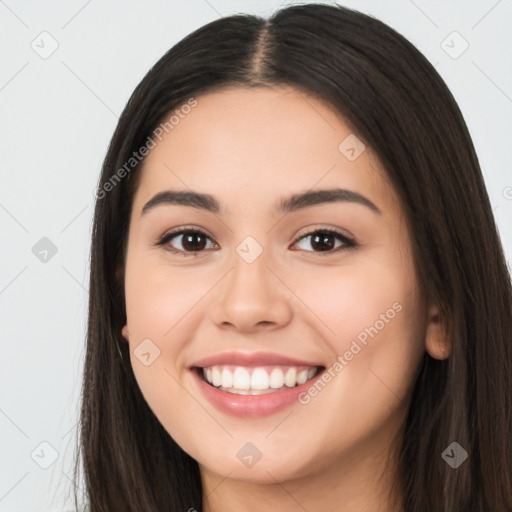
398 105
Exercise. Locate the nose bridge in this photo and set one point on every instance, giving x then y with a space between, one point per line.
251 293
250 274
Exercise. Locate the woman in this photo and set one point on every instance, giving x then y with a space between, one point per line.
298 296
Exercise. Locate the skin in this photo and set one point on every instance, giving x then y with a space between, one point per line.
294 299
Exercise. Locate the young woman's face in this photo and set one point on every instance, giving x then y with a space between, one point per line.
274 285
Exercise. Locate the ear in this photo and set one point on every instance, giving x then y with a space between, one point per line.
124 332
436 341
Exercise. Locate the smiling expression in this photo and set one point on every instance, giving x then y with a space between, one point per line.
273 276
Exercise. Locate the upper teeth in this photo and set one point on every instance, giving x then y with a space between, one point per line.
259 378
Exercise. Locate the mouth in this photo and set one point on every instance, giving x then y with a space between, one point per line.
253 384
256 380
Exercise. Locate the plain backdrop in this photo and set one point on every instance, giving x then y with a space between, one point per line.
67 70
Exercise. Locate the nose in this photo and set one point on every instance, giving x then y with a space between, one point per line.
251 298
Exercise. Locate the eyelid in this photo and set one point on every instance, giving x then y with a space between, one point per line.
180 231
309 230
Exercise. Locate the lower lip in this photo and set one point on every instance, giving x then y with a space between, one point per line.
251 405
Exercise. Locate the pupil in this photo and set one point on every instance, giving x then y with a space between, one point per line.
193 246
325 240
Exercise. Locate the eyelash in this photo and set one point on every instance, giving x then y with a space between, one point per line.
349 244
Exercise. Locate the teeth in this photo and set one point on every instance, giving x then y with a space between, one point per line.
227 378
241 379
276 379
257 381
302 377
291 377
216 376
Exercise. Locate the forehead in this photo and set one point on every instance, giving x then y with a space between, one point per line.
245 143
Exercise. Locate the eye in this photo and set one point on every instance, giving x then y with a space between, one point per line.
194 241
324 241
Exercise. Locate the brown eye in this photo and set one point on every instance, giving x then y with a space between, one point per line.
192 241
324 241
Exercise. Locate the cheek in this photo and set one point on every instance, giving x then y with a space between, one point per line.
148 307
157 303
159 298
370 318
154 306
350 298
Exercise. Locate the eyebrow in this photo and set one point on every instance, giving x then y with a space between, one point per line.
290 204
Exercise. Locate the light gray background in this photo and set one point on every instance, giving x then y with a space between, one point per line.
57 116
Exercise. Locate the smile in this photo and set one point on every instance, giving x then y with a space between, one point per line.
253 384
243 380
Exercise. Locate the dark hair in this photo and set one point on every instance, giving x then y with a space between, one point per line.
398 105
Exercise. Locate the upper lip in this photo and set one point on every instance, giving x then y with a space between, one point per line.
251 359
